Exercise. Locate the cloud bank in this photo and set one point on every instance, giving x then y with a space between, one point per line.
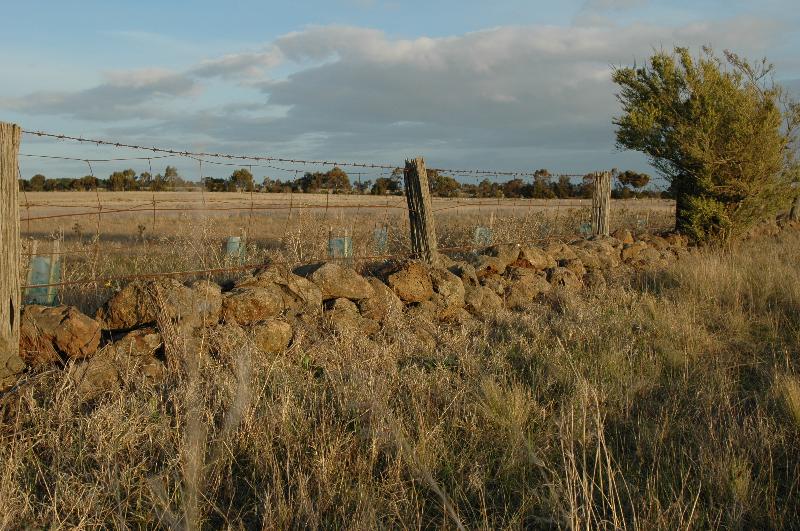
506 97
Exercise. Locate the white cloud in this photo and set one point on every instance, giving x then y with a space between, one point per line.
510 96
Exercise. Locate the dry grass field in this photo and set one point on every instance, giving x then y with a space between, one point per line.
188 230
668 400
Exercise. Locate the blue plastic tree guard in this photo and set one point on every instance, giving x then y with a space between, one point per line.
234 248
483 236
41 273
340 247
381 237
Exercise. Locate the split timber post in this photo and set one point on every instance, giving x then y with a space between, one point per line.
10 362
420 211
601 203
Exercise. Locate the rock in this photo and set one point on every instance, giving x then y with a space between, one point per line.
10 369
272 336
535 258
425 311
524 288
677 240
594 279
53 335
253 304
631 250
506 253
144 342
588 258
300 295
336 281
207 303
466 272
448 293
496 283
575 265
382 305
488 265
95 377
563 278
411 282
138 304
344 318
623 235
650 257
597 254
560 251
481 301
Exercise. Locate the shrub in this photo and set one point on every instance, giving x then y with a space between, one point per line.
721 132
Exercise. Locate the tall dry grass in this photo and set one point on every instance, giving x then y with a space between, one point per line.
669 400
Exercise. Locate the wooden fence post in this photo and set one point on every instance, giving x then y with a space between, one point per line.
10 362
420 212
601 203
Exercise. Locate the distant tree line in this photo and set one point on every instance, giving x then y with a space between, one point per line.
544 185
119 181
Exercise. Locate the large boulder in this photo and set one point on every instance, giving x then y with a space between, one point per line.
336 281
299 294
54 335
382 305
252 304
411 281
139 303
272 336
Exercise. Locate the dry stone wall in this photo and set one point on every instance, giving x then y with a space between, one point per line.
266 308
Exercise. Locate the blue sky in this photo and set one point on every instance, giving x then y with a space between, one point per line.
506 85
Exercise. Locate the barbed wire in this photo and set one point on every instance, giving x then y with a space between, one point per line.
264 158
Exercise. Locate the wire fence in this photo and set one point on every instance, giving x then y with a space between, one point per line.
145 235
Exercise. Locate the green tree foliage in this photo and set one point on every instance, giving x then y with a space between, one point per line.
120 181
335 180
720 131
442 185
388 185
633 179
37 182
242 180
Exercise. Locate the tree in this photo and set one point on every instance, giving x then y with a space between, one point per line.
442 185
242 179
633 179
37 182
123 180
721 132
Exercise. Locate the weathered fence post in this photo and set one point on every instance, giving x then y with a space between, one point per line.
601 203
420 212
10 362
